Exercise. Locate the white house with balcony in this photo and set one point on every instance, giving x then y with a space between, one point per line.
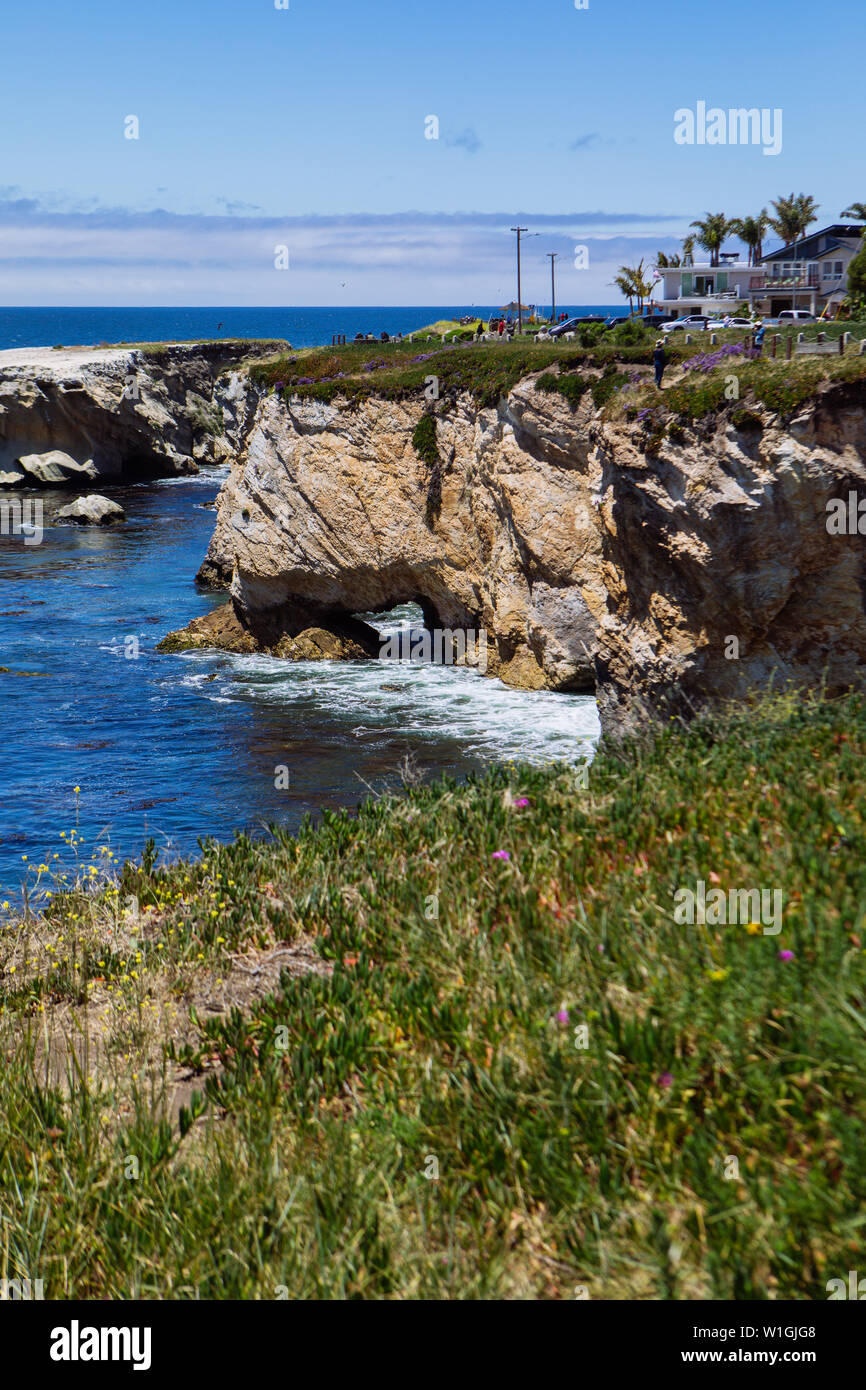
700 288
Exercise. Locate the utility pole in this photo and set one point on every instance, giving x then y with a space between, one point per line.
554 257
519 230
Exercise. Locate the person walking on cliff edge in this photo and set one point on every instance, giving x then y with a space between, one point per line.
660 361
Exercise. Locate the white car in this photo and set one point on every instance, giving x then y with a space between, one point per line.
716 324
697 322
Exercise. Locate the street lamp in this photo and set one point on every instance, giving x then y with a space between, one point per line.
554 257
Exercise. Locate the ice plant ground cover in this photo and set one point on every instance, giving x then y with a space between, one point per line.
495 1076
695 382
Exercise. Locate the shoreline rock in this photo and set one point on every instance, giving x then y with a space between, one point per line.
93 510
224 630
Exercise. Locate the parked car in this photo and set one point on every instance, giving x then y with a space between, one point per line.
571 325
657 320
715 324
794 316
695 321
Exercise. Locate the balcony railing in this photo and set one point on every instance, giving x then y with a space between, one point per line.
805 280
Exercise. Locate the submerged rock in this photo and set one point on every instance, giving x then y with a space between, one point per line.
92 511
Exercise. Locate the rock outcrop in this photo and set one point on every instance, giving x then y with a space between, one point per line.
332 510
91 511
289 635
721 575
664 571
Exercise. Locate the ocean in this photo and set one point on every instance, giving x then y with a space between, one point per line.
302 327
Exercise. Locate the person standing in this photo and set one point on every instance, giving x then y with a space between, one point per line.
759 337
660 361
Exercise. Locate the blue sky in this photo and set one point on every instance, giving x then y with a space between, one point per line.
305 127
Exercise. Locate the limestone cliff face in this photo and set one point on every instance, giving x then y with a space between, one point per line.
331 509
587 559
116 414
720 573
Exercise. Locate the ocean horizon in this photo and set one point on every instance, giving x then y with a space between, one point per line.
303 327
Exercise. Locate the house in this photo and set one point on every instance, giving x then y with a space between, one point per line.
701 288
811 276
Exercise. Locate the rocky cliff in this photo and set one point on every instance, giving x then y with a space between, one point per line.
663 571
74 416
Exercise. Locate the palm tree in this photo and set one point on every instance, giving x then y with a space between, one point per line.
625 284
857 211
751 231
786 223
712 232
688 250
807 213
662 261
794 215
643 287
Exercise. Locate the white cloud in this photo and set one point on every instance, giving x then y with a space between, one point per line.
118 256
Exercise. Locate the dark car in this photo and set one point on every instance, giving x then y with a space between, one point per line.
571 325
648 320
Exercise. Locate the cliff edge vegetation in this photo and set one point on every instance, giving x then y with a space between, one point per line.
457 1044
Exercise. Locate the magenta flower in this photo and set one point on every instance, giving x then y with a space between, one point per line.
786 955
665 1079
522 801
501 854
562 1017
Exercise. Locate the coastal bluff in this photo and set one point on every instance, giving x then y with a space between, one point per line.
661 573
72 417
661 568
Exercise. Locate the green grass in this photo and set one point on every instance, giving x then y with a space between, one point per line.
440 1040
487 371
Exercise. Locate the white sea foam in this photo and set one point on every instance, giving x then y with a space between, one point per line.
424 701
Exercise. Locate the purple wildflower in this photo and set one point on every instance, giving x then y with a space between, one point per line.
786 955
501 854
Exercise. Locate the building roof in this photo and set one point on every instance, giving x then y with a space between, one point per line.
818 244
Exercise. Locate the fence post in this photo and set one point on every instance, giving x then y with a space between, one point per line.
843 342
821 337
714 338
688 337
789 347
774 344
